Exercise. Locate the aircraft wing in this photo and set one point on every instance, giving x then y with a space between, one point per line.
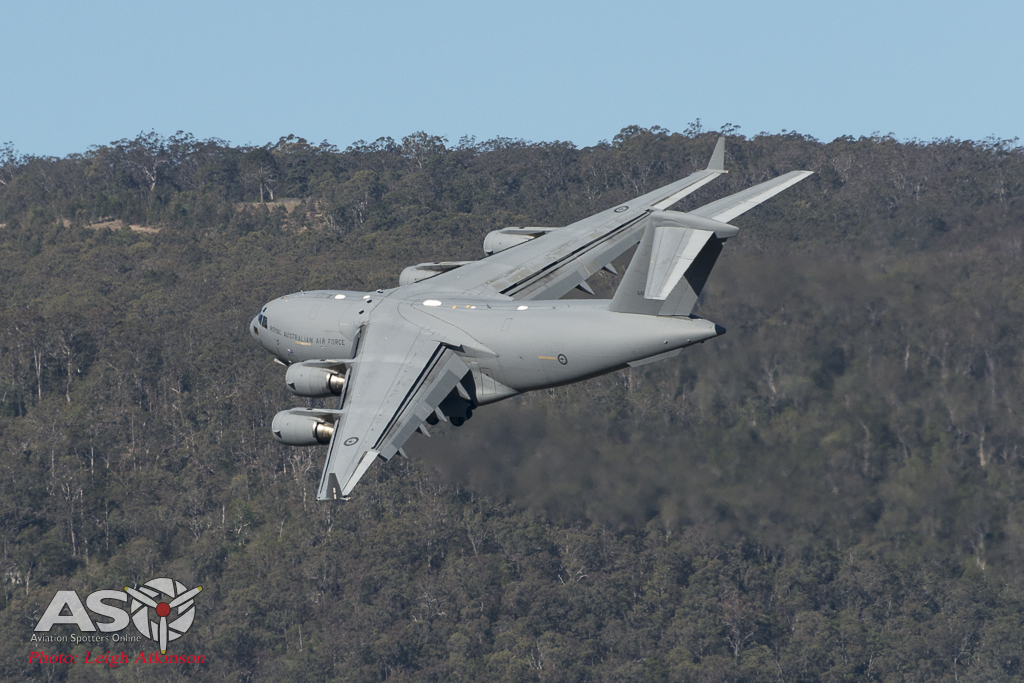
551 265
400 376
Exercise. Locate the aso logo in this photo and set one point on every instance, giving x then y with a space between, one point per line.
161 610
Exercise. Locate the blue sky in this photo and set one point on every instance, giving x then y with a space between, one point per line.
78 74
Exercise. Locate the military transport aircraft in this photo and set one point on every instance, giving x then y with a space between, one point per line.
462 334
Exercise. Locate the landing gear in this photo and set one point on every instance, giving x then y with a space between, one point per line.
457 409
459 421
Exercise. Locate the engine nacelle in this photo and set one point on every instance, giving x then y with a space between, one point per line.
506 238
294 429
422 271
312 381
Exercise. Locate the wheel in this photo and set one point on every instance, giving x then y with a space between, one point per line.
432 419
457 421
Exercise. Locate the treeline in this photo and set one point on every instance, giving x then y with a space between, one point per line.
830 491
875 189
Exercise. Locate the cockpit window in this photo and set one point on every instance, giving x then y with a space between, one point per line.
262 320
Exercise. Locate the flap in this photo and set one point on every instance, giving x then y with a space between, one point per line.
403 375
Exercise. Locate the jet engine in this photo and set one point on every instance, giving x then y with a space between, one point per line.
295 429
422 271
306 380
506 238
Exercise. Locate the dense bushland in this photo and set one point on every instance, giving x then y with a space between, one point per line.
832 491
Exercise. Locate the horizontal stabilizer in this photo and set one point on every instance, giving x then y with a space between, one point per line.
678 250
678 219
727 208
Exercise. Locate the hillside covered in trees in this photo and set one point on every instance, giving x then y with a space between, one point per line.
834 490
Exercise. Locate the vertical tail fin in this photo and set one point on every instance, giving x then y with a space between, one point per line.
678 250
671 264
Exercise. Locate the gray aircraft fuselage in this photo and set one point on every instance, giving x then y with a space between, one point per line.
456 335
511 346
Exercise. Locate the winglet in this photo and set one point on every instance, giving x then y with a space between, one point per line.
717 162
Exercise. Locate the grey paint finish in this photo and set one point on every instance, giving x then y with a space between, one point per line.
481 332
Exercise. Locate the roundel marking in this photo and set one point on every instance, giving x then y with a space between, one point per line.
352 441
562 359
620 209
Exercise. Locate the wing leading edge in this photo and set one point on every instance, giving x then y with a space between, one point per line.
401 376
551 265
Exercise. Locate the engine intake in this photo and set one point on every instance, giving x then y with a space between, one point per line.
296 429
313 381
506 238
423 271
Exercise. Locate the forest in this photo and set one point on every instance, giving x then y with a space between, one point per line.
832 491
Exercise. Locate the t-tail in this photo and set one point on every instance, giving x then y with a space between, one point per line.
678 250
